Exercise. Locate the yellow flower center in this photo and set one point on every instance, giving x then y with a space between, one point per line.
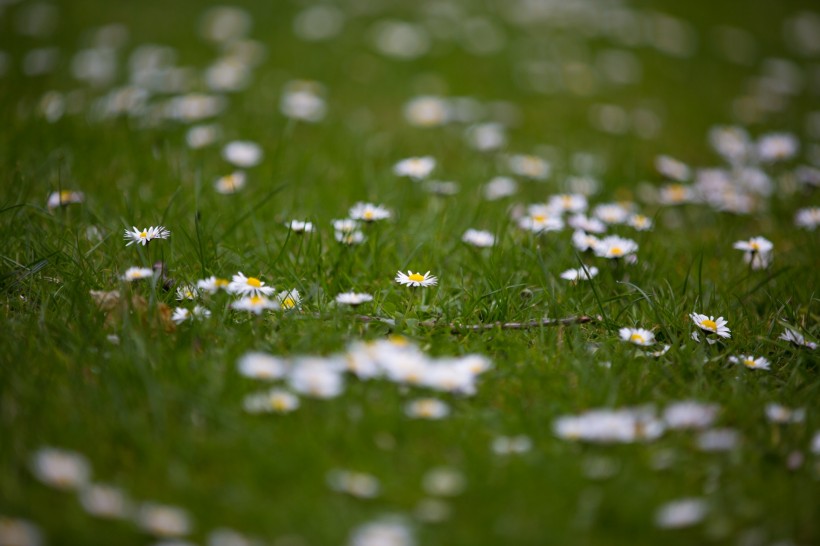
279 404
616 251
677 192
637 337
221 282
368 215
416 277
256 300
749 362
253 281
539 217
143 235
399 341
709 325
65 195
754 245
288 303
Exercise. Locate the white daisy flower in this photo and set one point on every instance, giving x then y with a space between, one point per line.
689 414
782 415
416 279
200 136
303 100
137 273
231 183
242 153
258 365
479 238
145 236
709 325
19 532
681 513
614 247
254 304
427 408
777 147
427 111
672 168
499 187
163 521
346 225
796 338
581 222
63 198
751 362
807 218
353 298
637 336
568 202
60 468
187 292
583 241
368 212
676 194
317 378
349 238
297 226
659 353
529 166
540 219
180 315
385 531
485 137
607 426
273 401
248 286
211 285
416 168
105 501
718 439
358 484
584 273
757 252
640 222
611 213
289 299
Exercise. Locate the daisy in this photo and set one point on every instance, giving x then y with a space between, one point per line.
16 531
485 137
681 513
317 378
583 242
637 336
105 501
757 252
63 198
304 101
709 325
145 236
163 521
540 220
479 238
349 238
427 408
614 247
676 194
137 273
583 223
529 166
607 426
258 365
782 415
254 304
346 225
672 168
751 362
777 147
640 222
231 183
416 279
368 212
353 298
60 468
273 401
297 226
611 213
499 188
416 168
427 111
807 218
181 314
187 292
718 439
796 338
248 286
690 415
568 202
200 136
212 284
242 153
289 299
584 273
358 484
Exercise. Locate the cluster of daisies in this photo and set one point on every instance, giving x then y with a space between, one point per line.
69 471
394 359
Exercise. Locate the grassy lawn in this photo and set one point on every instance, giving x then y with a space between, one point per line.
448 414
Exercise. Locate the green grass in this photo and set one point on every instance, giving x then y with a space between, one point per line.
160 414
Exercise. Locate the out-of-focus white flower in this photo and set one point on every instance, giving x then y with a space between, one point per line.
509 445
502 186
303 100
777 147
584 273
317 378
258 365
529 166
681 513
242 153
444 482
689 414
353 298
637 336
417 168
105 501
718 439
776 413
427 408
163 521
19 532
385 531
357 484
486 137
232 183
608 426
479 238
427 111
62 198
60 469
796 338
672 168
807 218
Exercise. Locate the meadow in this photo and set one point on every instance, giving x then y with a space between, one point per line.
392 273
